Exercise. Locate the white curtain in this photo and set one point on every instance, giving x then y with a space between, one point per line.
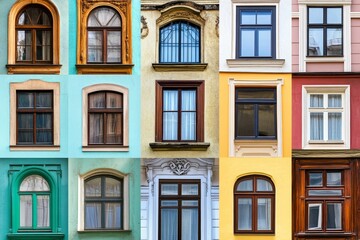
316 100
334 129
333 178
264 214
246 185
190 224
170 115
334 216
169 224
244 214
92 215
25 211
263 185
316 126
96 128
44 128
43 211
113 215
188 115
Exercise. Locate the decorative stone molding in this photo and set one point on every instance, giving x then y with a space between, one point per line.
179 166
217 21
144 28
180 13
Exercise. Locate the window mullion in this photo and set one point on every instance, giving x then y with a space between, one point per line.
34 211
179 30
326 117
256 133
179 114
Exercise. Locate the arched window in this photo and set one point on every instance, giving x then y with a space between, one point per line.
104 36
103 202
179 43
254 205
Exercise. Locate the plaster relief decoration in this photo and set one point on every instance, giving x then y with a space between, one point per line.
179 166
217 21
144 28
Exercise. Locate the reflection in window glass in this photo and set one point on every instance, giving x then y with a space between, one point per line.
333 178
244 213
315 179
334 216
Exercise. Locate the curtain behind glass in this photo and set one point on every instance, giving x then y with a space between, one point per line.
334 217
25 211
169 224
43 211
188 115
316 126
92 215
244 214
190 224
170 115
264 214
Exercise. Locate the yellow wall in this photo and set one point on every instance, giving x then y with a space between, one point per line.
278 169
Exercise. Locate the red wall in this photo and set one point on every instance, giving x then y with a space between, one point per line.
352 80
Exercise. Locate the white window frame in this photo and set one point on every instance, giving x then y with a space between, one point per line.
319 225
344 90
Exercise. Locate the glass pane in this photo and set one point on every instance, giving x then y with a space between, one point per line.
264 214
317 100
244 214
170 100
247 43
34 183
21 20
25 100
113 46
264 17
245 185
43 211
188 100
112 187
334 101
33 14
24 45
263 185
267 124
190 224
114 100
25 211
44 100
25 128
316 42
92 215
93 187
190 43
189 189
169 43
315 179
45 19
115 21
170 125
264 43
266 94
334 126
96 124
95 46
43 45
314 216
114 128
316 15
113 215
334 216
97 100
333 178
169 189
316 126
334 15
103 16
325 192
169 224
334 41
190 203
248 17
188 126
44 132
245 120
169 203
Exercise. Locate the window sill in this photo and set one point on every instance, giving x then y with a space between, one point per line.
333 234
325 153
324 59
179 67
256 148
33 68
103 231
179 146
34 148
104 68
105 149
249 62
36 236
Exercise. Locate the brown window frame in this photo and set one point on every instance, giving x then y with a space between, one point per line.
180 85
254 195
179 197
34 111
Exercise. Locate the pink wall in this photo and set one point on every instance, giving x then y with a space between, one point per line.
325 67
355 5
355 44
352 80
295 45
295 6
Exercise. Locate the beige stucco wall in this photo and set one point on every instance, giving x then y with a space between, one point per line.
149 46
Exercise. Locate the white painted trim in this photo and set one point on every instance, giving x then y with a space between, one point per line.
355 14
347 37
302 37
325 59
256 83
295 15
324 2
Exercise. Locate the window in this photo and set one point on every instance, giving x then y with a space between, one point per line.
180 110
179 43
255 113
33 38
325 31
104 36
254 205
179 209
34 117
256 31
103 203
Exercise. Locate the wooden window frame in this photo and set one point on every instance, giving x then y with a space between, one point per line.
179 197
200 91
254 195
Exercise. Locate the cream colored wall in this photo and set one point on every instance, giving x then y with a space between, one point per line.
149 76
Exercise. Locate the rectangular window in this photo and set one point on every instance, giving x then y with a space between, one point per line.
325 31
256 32
180 111
255 113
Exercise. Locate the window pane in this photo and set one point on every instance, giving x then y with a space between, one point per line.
334 216
25 128
113 215
334 101
245 185
25 211
190 43
114 100
317 100
263 185
188 126
264 42
264 17
33 13
44 132
264 214
170 124
188 100
190 224
244 214
245 120
189 189
43 45
169 224
24 43
43 211
93 187
92 215
247 48
316 15
44 100
266 120
334 41
248 17
315 218
97 100
169 189
315 179
169 43
266 94
170 100
325 192
95 44
316 40
169 203
34 183
190 203
25 100
112 188
334 15
333 178
114 128
334 127
113 46
44 19
316 126
96 130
